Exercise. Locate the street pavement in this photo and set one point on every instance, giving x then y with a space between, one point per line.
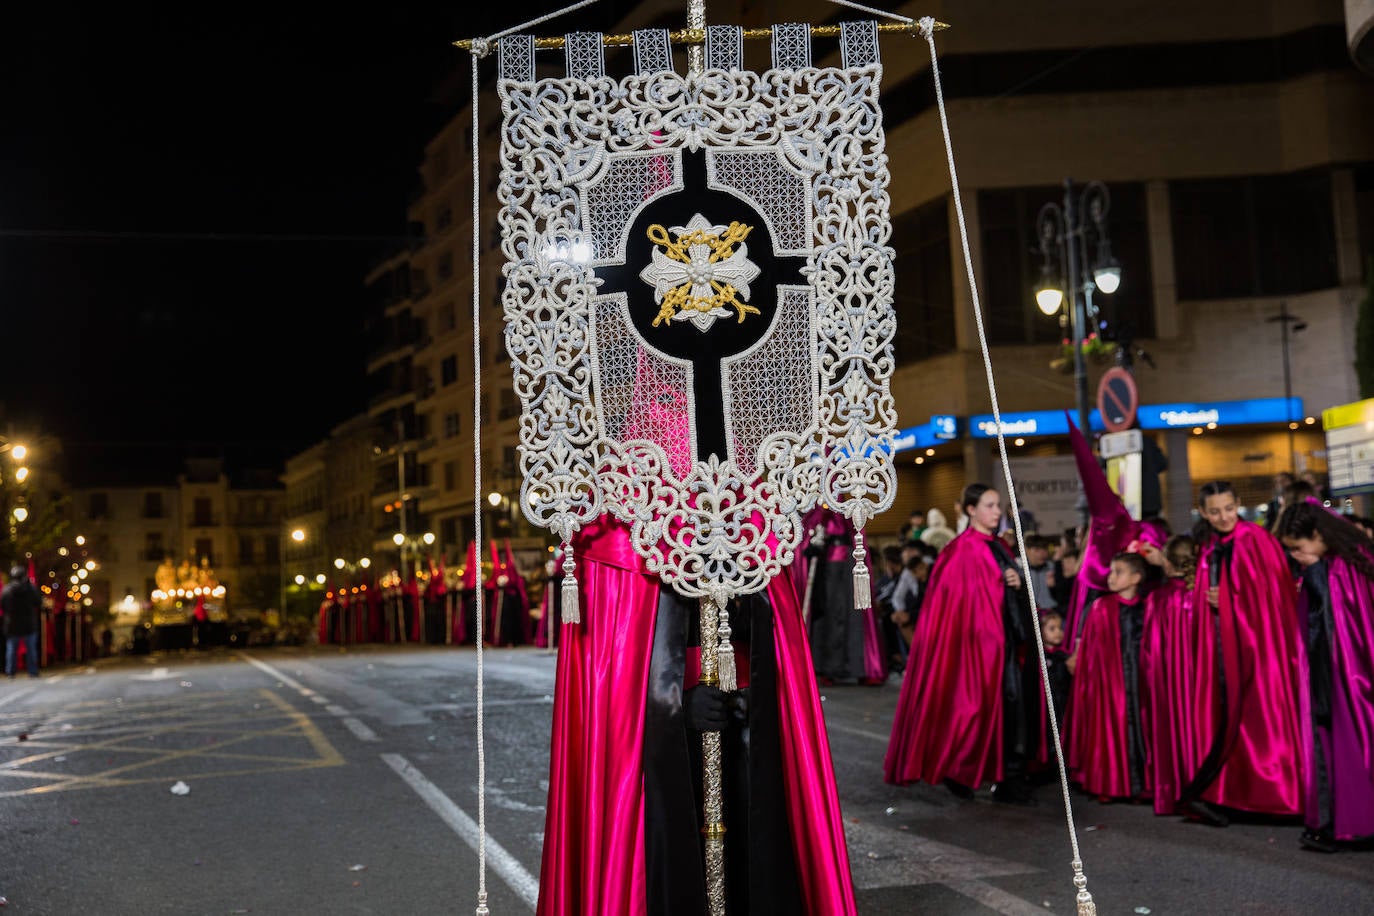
320 780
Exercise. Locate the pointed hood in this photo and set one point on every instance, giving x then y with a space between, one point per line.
470 567
1103 503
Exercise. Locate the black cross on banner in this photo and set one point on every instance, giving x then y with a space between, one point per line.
685 290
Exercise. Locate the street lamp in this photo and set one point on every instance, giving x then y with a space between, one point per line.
297 536
1069 266
1289 324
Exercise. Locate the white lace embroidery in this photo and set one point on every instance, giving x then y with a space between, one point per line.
606 419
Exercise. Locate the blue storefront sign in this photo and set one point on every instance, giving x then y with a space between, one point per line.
939 430
1151 416
1222 413
1025 423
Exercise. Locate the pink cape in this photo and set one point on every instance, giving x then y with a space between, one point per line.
1099 744
949 713
1175 744
1263 667
594 857
1348 745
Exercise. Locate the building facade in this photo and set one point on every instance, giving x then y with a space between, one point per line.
203 518
1234 139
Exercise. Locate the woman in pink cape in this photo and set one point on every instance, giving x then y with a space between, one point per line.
1251 680
960 717
1338 615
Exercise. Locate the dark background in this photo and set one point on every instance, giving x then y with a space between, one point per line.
189 203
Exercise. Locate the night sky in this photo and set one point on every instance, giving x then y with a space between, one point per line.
189 205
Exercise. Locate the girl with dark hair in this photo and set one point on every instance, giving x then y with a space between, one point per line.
1250 690
960 716
1337 608
1167 663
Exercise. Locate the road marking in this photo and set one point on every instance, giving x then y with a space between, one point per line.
263 666
157 674
131 761
361 731
18 694
352 723
994 898
503 863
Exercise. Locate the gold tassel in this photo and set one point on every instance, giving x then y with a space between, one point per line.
863 592
571 612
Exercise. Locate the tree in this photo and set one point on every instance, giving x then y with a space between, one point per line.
1364 334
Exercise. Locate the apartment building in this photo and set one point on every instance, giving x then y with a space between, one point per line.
1233 138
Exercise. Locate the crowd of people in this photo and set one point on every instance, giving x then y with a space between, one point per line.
1221 672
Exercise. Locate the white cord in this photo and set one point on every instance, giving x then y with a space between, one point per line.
477 498
928 32
875 12
546 18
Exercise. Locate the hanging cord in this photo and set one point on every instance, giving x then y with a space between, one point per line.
478 51
480 48
876 12
1086 907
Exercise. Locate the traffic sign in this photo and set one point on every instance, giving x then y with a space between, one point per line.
1117 399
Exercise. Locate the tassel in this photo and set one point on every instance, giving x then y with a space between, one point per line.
726 674
863 592
1086 907
571 612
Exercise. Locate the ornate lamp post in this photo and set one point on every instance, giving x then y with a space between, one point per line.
1077 258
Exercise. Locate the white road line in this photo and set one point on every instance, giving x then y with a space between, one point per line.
994 898
335 710
503 863
356 726
18 694
263 666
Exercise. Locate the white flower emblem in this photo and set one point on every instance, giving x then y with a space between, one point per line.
700 271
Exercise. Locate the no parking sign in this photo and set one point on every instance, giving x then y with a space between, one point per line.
1117 399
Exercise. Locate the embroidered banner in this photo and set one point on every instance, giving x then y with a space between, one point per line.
698 299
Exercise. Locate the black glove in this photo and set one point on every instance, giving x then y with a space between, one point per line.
706 708
739 707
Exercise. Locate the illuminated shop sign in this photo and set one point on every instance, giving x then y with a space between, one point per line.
1029 423
1152 416
941 428
1222 413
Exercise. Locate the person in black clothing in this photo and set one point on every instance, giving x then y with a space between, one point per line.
21 603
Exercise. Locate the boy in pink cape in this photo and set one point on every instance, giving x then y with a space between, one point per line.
1106 741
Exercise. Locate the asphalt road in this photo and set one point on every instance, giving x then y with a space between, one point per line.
327 781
